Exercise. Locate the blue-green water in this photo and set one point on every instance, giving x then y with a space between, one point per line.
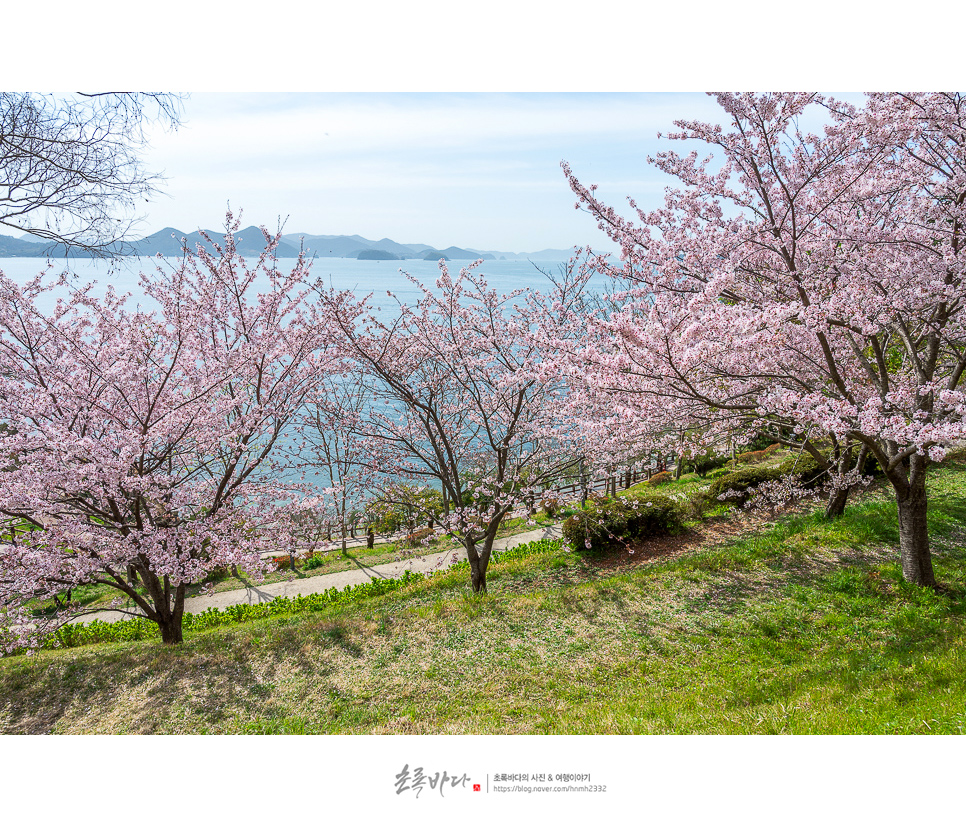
362 277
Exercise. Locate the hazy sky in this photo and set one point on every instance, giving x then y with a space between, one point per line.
447 168
478 169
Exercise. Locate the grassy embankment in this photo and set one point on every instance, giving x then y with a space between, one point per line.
757 625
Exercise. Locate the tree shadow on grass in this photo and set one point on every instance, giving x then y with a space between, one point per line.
151 688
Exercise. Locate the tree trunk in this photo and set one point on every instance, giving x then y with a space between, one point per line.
170 622
839 497
171 633
477 568
913 529
836 503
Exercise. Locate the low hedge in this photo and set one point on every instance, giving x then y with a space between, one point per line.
623 519
138 628
805 467
540 546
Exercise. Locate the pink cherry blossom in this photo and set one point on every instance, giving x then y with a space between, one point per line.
806 286
139 447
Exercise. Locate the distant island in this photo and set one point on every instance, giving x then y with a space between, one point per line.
250 242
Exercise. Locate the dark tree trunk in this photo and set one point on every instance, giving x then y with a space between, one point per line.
914 531
836 503
477 568
479 558
170 622
171 632
908 479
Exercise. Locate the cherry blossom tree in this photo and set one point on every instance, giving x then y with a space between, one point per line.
333 447
458 399
140 443
71 165
807 285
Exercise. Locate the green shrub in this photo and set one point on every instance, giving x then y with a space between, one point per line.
806 468
758 443
623 519
659 478
319 558
871 467
704 464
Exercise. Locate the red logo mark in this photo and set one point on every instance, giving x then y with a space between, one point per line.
476 787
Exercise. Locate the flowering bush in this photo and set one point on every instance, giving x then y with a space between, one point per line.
421 536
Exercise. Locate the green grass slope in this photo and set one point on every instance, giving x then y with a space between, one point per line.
755 625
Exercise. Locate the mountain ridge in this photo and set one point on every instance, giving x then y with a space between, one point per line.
251 242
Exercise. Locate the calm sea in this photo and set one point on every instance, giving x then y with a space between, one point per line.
362 277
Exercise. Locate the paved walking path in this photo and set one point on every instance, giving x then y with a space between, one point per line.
293 587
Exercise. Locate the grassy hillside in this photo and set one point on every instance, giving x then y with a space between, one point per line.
746 625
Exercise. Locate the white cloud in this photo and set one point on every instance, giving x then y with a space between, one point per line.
355 125
426 167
